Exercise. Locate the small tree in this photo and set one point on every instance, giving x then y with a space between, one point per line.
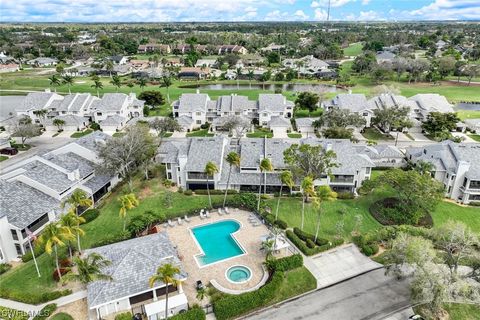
59 123
54 81
127 202
152 98
323 194
78 198
72 222
307 100
25 130
116 81
89 269
167 82
98 85
68 80
286 179
308 190
264 167
233 160
440 125
142 82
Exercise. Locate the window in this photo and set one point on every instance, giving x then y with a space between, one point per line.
449 189
198 113
99 113
368 170
199 122
169 176
474 184
169 166
14 234
19 249
365 114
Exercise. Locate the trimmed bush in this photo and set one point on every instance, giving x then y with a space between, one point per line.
63 271
307 236
474 203
38 251
214 192
310 243
33 297
288 263
4 267
300 244
281 224
124 316
234 305
345 195
270 218
62 316
90 215
46 312
180 190
188 192
112 239
195 313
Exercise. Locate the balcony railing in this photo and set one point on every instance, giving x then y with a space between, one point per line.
198 176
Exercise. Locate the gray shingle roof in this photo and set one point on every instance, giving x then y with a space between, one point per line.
203 150
305 122
279 122
97 182
35 101
23 204
133 262
70 120
432 102
234 103
355 102
90 141
9 104
273 102
114 120
48 176
111 102
192 102
71 161
380 151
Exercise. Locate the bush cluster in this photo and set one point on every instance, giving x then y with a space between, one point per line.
345 195
124 316
214 192
188 192
4 267
474 203
307 236
90 215
62 316
195 313
245 200
38 251
281 224
63 271
46 312
301 244
287 263
33 297
368 248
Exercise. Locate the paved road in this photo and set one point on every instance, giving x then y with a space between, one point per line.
371 296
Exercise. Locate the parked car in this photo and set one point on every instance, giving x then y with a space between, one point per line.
9 151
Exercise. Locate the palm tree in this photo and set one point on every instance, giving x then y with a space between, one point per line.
97 85
268 246
41 113
127 202
307 190
78 198
109 67
265 166
116 81
59 123
286 179
167 82
68 80
72 222
202 294
142 82
324 193
130 84
250 76
233 160
53 236
239 73
210 169
89 269
54 81
166 273
423 167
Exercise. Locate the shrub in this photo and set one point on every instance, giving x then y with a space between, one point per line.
112 239
95 126
270 218
212 192
62 316
4 267
33 297
310 243
345 195
65 263
180 190
474 203
46 312
246 201
307 236
300 244
281 224
124 316
38 251
90 215
234 305
195 313
167 183
138 224
63 271
288 263
188 192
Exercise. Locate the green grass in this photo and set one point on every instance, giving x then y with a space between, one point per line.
374 134
475 137
296 282
457 311
354 49
118 134
200 133
11 314
450 211
468 114
294 135
80 134
305 113
61 316
3 158
260 133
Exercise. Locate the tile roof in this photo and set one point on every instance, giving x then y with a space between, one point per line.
23 204
133 262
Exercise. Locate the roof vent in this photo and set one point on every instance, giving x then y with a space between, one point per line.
100 142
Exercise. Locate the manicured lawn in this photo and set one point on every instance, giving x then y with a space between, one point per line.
200 133
354 49
80 134
260 133
118 134
3 158
450 211
475 137
458 311
296 282
304 113
294 135
468 114
374 134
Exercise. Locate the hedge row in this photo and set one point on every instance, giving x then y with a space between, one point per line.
307 236
46 312
234 305
288 263
195 313
90 215
368 248
33 297
300 244
213 192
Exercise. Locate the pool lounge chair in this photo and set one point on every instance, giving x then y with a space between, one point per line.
201 215
226 210
207 214
199 285
187 219
220 211
170 223
180 222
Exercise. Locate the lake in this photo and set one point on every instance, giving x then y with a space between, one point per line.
294 87
468 106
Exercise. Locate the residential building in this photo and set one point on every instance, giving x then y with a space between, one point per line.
206 63
308 65
273 105
193 73
118 59
32 190
355 103
9 67
456 165
43 62
384 156
133 262
473 125
230 48
305 125
385 56
154 47
185 162
430 102
114 107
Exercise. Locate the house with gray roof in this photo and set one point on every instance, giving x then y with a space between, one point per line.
308 65
133 262
425 103
71 123
43 62
385 56
384 156
185 160
273 105
33 189
305 125
456 165
355 103
35 101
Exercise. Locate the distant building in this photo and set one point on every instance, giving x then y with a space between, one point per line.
43 62
153 47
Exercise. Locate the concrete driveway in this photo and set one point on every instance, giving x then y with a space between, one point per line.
371 296
339 264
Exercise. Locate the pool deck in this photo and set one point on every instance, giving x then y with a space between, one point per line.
249 237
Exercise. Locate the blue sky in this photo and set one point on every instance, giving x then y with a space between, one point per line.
235 10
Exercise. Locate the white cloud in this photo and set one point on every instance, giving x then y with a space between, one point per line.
333 3
447 10
320 14
365 2
370 16
301 15
276 15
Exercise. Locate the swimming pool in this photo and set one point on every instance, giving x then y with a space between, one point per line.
217 242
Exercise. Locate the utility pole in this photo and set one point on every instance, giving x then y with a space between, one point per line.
328 11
